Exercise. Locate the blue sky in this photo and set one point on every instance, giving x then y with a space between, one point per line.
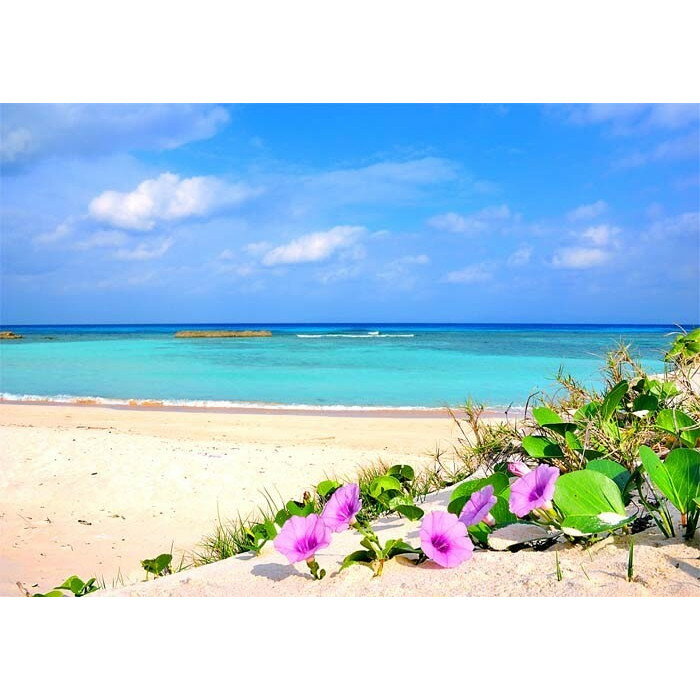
282 213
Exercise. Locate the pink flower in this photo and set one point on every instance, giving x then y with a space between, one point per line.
444 539
518 468
342 507
534 490
478 507
300 538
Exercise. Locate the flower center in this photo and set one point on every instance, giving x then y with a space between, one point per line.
307 543
440 542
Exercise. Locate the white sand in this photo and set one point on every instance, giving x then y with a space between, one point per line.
662 568
144 479
148 479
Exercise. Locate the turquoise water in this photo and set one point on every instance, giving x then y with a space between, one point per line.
320 365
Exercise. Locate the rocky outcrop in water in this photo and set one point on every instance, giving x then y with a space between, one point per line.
10 335
223 334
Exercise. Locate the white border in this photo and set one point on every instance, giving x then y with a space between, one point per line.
365 50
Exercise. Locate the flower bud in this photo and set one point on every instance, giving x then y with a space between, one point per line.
518 468
489 520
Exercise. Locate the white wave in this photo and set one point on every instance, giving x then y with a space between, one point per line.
373 334
204 403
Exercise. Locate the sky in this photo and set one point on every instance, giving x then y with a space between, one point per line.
251 213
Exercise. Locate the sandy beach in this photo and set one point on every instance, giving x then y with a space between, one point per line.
92 490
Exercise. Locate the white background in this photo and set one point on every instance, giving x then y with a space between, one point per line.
153 51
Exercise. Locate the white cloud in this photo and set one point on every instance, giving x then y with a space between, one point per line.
30 132
103 239
145 251
579 258
257 249
380 182
680 225
478 222
601 235
59 233
629 119
313 247
588 211
338 274
398 271
14 144
520 257
480 272
166 198
421 259
673 149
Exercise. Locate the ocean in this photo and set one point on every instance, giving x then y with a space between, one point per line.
319 365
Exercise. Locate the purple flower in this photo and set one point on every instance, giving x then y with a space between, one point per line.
478 507
518 468
300 538
534 490
342 507
444 539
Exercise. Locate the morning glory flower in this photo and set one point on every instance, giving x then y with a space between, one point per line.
478 507
342 507
301 537
534 490
444 539
518 468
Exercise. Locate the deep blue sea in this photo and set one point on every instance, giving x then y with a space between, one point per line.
318 365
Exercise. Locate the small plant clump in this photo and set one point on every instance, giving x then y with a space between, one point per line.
74 585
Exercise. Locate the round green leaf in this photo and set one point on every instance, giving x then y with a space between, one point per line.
675 421
613 470
678 477
410 512
541 447
587 492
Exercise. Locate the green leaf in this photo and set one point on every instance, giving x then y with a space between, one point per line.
361 556
572 441
282 517
383 483
541 447
158 565
678 477
685 345
410 512
547 418
300 508
581 525
645 402
587 411
612 400
403 472
480 532
73 584
463 492
613 470
501 512
51 594
661 389
326 488
674 421
394 548
587 492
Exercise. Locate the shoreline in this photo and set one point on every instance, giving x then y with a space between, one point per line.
251 408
